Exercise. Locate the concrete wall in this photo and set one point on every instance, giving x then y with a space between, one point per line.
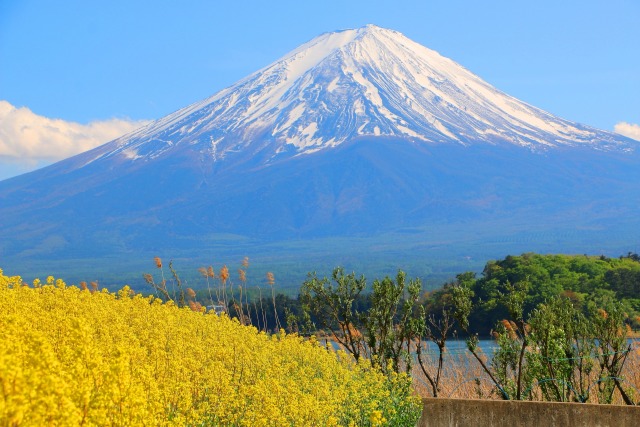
480 413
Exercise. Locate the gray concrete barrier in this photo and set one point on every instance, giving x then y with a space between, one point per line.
495 413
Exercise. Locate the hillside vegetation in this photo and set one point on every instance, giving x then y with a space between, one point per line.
582 279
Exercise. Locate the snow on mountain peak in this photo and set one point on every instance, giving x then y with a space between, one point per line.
355 83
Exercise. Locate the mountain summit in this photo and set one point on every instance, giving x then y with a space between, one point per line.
356 136
349 84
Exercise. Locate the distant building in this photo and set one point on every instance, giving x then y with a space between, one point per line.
218 309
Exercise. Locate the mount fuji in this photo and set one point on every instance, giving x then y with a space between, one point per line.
359 144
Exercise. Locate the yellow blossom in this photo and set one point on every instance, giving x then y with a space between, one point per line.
73 357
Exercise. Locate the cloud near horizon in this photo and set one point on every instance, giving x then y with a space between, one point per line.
628 129
29 139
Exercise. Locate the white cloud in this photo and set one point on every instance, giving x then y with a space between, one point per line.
628 129
30 139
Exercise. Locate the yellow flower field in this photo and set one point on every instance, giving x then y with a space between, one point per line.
79 357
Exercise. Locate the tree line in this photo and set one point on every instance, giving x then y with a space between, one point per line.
558 321
581 279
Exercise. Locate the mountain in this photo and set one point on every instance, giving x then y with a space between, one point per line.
359 143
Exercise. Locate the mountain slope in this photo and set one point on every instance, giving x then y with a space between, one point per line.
348 84
359 134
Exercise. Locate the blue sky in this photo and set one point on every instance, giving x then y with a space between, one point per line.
93 69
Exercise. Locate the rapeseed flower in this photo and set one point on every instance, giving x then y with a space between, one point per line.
72 356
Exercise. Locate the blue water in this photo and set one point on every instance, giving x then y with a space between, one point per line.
458 349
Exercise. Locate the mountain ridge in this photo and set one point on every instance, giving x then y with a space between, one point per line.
348 84
346 137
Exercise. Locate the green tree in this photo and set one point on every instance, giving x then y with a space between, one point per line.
609 331
384 333
513 340
393 322
332 303
463 300
556 348
562 362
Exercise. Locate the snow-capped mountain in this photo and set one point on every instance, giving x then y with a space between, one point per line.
357 134
355 83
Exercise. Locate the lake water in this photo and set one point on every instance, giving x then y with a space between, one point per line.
458 348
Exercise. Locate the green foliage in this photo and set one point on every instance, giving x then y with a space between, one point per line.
562 336
513 339
391 324
506 363
556 349
548 277
607 317
332 303
462 294
624 280
383 333
551 334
